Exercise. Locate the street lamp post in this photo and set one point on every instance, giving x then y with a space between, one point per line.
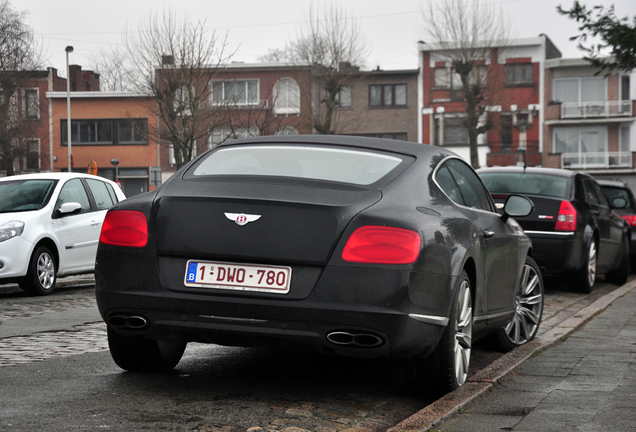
115 162
68 49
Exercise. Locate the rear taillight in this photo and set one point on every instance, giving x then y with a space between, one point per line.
125 228
566 219
382 245
631 219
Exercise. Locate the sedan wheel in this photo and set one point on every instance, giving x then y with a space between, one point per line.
587 274
40 278
447 367
463 329
528 309
138 354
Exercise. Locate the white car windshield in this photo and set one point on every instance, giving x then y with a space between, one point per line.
25 195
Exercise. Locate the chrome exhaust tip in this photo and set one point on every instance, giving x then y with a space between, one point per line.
128 322
357 339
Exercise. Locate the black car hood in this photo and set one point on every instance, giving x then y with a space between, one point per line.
298 221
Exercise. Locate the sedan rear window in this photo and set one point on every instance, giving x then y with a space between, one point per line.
25 195
357 167
526 184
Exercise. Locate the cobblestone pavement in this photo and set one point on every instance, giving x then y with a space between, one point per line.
321 407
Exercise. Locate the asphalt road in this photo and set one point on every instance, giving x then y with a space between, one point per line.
56 374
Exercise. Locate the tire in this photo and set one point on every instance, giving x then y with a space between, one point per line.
447 367
529 308
138 354
41 274
619 275
584 278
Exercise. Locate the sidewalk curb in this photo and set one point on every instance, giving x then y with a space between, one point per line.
486 378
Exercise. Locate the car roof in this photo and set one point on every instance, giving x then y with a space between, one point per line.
530 170
612 183
52 176
405 147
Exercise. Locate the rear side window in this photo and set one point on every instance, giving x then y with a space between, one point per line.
103 196
358 167
614 193
462 185
525 184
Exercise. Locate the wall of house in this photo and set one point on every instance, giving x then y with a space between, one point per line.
129 156
363 119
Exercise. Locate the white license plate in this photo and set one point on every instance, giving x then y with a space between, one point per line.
242 277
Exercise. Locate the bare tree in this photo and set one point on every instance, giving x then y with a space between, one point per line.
20 56
465 32
175 62
114 69
330 41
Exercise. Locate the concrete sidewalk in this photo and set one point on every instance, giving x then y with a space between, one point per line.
574 377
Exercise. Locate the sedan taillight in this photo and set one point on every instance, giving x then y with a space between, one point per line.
631 219
382 245
566 219
125 228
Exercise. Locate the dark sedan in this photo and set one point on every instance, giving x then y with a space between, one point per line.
573 229
353 246
622 200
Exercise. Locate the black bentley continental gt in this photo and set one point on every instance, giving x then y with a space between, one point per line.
347 245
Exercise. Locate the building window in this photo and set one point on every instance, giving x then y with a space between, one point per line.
106 131
132 131
588 89
221 135
387 95
581 146
183 99
287 130
343 98
450 131
286 97
519 74
505 132
400 136
32 155
31 104
239 92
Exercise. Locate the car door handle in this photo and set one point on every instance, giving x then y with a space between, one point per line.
488 233
94 223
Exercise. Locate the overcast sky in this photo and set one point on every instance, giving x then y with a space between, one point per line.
392 28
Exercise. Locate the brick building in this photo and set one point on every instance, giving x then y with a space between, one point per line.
107 126
513 76
33 110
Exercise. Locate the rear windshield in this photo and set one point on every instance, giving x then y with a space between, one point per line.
526 184
25 195
357 167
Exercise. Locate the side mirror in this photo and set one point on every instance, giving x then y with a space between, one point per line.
69 208
619 203
517 206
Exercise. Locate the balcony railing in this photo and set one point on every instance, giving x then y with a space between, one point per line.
600 109
597 160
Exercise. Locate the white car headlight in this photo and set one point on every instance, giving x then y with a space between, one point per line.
11 229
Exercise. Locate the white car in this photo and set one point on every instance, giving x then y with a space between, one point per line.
50 225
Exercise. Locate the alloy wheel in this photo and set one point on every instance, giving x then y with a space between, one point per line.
591 263
464 333
46 271
529 307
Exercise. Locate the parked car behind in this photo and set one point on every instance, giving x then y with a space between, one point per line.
622 201
50 225
354 246
573 229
